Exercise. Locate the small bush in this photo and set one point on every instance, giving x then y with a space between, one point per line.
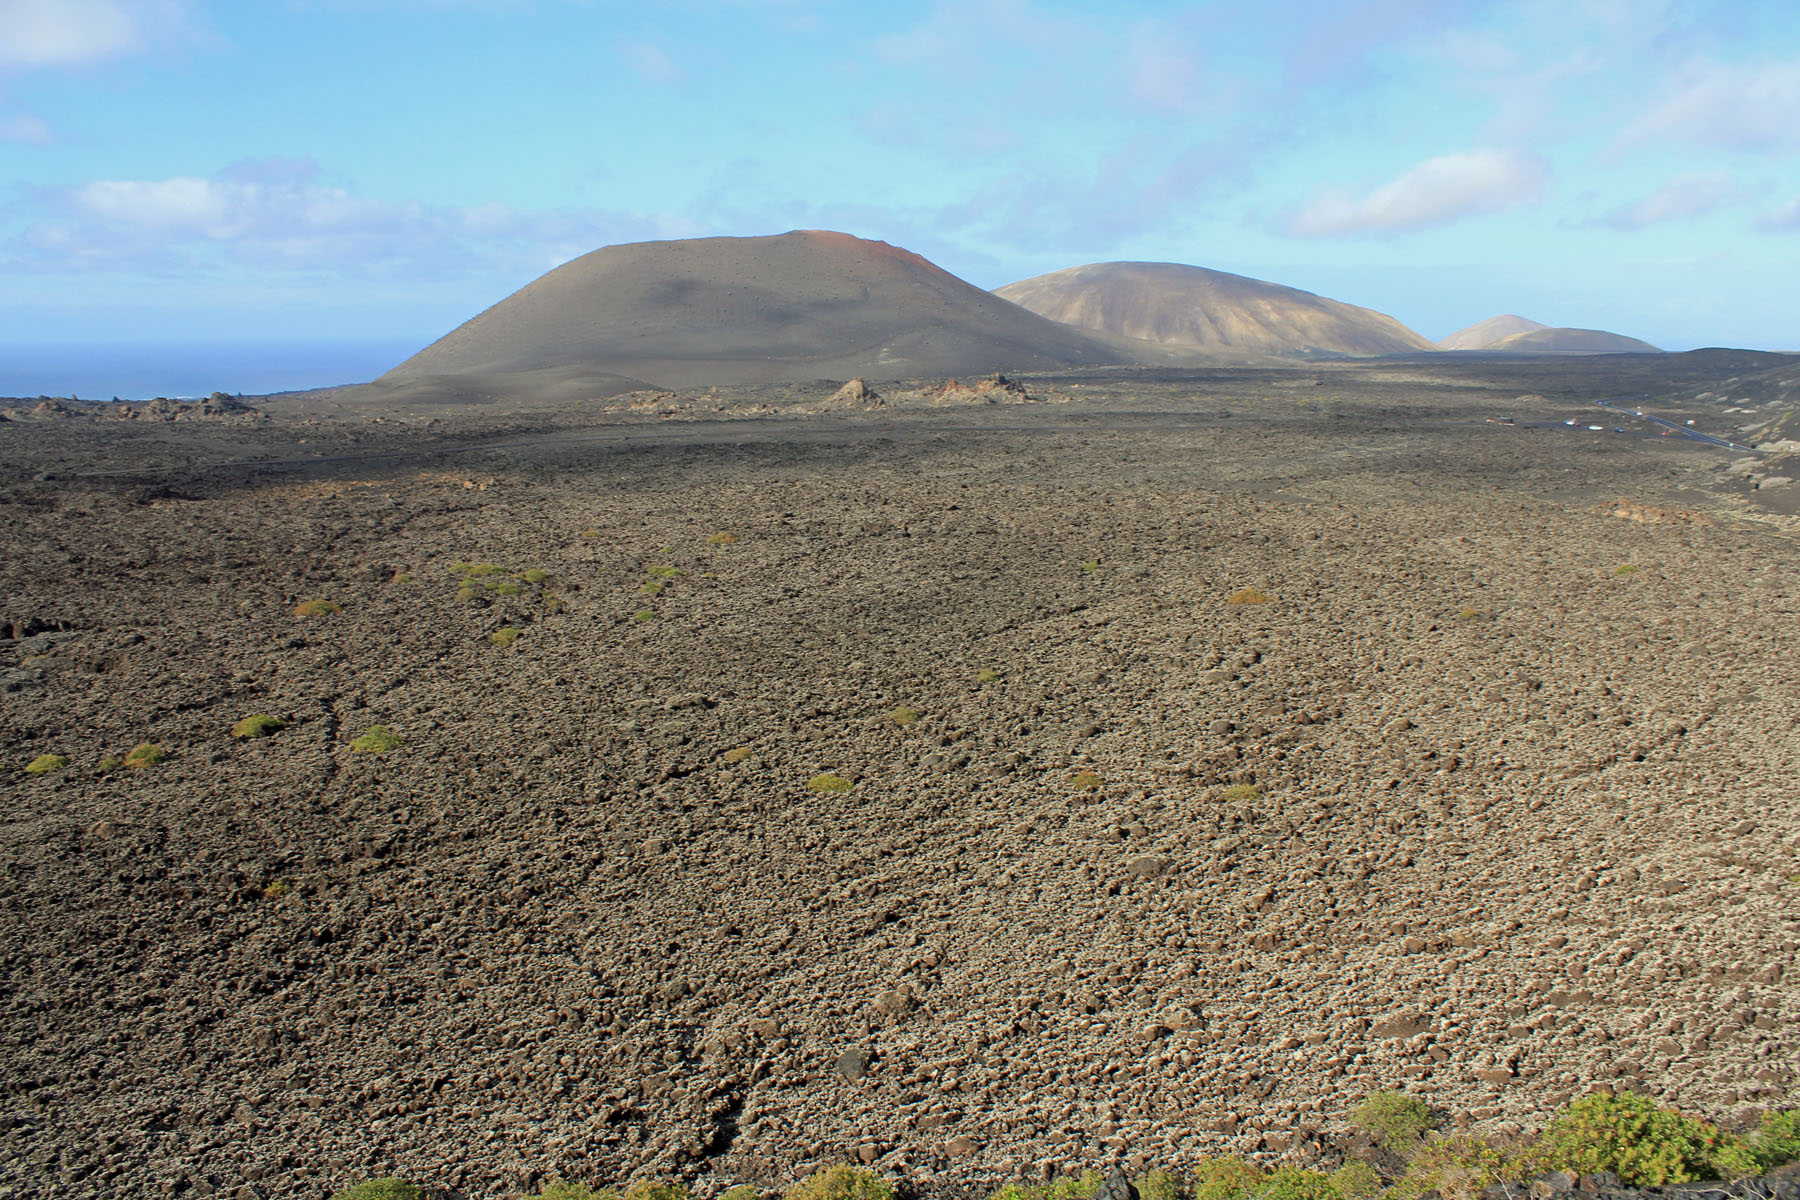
1356 1180
1471 614
664 572
316 608
506 636
590 534
144 754
1777 1139
1296 1183
1460 1168
1089 567
278 888
378 740
651 587
258 725
505 587
1240 793
736 754
1158 1185
534 576
380 1189
829 782
469 591
1248 595
1226 1178
553 603
841 1183
1625 569
559 1189
1084 1186
721 539
110 762
1086 781
649 1190
904 716
460 567
43 764
986 675
644 614
741 1191
1642 1144
477 570
1396 1120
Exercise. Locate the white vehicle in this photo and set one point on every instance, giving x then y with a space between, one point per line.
1598 428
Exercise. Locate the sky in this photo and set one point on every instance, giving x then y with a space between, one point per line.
350 179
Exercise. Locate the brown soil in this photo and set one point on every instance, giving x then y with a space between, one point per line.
1462 809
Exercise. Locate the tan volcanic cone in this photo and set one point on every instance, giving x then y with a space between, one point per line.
1212 310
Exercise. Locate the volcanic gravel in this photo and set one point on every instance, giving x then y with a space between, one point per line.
1491 800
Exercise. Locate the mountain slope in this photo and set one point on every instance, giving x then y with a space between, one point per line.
1572 341
1211 310
787 308
1483 334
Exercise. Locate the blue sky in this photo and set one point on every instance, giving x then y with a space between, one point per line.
256 171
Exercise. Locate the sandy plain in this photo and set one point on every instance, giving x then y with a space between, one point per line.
1492 800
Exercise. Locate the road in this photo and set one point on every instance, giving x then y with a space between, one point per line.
1683 430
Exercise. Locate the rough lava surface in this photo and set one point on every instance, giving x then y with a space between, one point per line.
1490 800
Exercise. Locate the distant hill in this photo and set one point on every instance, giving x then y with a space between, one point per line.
1194 307
1483 334
1571 341
788 308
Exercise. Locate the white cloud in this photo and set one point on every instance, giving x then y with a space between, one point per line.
1783 219
276 213
1436 192
28 130
62 33
1737 107
1684 196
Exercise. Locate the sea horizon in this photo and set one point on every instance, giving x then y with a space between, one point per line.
183 370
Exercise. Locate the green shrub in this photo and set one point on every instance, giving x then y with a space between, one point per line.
506 636
1356 1180
259 725
1394 1119
649 1190
736 754
1777 1139
1243 793
534 576
144 754
590 534
1297 1183
1460 1168
560 1189
1640 1143
476 570
1625 569
378 740
505 588
553 603
276 889
904 716
741 1191
1086 781
721 539
1248 595
1226 1178
380 1189
841 1183
664 572
469 591
1084 1186
986 675
316 608
1090 566
1157 1185
43 764
110 762
644 614
829 782
651 587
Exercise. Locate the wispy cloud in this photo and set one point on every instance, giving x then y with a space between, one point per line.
1734 107
1690 195
64 33
651 61
1436 192
1783 219
25 129
275 213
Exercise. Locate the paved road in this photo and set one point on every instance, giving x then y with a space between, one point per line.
1683 430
